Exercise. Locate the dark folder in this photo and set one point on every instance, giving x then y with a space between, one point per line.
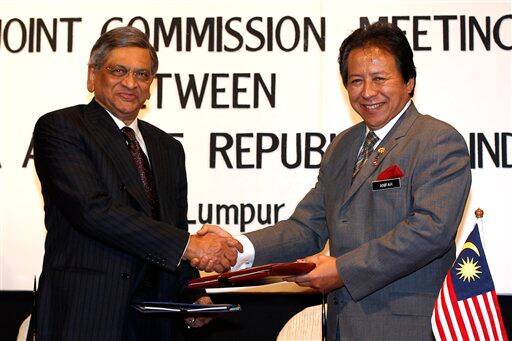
259 275
171 308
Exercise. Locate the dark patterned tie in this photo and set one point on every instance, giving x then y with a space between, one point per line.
367 149
142 165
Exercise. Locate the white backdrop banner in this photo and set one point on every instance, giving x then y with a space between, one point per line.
253 92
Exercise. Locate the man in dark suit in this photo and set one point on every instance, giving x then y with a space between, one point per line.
115 199
390 195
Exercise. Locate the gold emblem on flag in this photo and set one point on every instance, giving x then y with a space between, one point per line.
468 270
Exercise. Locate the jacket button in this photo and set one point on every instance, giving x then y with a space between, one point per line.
335 300
125 276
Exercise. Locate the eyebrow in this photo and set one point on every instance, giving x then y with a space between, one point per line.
371 74
130 68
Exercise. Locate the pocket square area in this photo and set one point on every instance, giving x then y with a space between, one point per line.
391 172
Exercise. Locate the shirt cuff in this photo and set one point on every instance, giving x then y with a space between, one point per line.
185 250
246 258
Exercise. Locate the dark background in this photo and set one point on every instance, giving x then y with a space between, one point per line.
262 316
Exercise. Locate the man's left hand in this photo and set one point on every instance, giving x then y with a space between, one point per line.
197 322
324 277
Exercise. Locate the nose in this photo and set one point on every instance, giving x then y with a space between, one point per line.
129 81
369 90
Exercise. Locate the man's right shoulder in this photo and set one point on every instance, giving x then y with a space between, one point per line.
350 132
347 136
68 112
69 115
343 141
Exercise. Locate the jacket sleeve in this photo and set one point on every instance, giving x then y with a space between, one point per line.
304 233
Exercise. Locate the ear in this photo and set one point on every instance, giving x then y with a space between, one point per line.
91 74
410 85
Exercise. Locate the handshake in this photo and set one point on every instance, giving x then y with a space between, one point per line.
212 249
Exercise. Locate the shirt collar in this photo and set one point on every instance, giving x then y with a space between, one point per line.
135 126
120 124
382 132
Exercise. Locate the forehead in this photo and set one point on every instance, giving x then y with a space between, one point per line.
371 58
130 56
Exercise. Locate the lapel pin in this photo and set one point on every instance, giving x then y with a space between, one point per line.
380 151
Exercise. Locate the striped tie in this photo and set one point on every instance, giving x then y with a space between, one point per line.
142 165
367 149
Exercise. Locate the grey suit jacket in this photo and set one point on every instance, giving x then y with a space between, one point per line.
393 246
101 237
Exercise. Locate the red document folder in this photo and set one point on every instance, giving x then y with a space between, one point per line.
264 274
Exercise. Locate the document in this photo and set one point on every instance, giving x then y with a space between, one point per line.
259 275
154 307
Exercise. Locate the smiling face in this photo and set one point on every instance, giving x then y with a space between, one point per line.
375 86
124 95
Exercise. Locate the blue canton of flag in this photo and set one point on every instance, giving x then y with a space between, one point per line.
470 272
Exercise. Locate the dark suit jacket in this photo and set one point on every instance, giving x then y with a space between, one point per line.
393 246
100 237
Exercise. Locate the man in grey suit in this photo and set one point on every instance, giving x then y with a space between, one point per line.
390 195
115 199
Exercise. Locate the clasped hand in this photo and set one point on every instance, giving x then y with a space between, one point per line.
212 251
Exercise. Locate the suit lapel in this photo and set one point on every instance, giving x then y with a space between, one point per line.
161 166
344 169
109 137
391 140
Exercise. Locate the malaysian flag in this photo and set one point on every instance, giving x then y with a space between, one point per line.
467 307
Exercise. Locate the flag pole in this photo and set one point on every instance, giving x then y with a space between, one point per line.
479 214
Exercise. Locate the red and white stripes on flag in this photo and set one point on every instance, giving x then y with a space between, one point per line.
475 318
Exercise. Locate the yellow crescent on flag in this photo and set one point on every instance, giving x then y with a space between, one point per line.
471 246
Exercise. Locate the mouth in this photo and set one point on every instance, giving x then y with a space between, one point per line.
372 106
128 97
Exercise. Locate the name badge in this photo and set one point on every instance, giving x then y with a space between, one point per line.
385 184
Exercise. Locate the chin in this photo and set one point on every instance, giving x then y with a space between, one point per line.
374 125
130 110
